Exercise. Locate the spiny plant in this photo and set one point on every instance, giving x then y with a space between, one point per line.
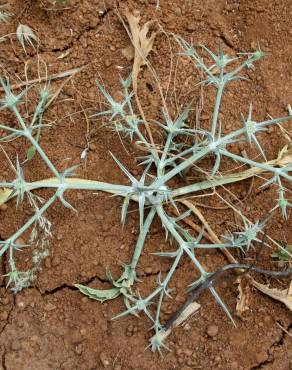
4 14
151 191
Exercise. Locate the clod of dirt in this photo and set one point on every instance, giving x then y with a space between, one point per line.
19 302
212 330
4 301
4 316
188 352
131 330
56 261
261 357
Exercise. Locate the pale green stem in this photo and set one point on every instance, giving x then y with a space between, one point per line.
252 163
179 239
157 321
29 223
29 136
205 151
179 168
141 239
160 168
167 278
217 108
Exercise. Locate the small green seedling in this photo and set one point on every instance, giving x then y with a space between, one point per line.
283 255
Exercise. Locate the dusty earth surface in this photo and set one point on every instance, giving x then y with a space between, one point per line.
51 325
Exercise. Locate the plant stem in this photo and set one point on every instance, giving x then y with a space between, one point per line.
141 239
160 169
217 108
29 223
29 136
179 168
179 239
167 278
264 166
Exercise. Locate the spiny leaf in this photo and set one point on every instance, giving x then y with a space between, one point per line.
283 254
30 153
5 16
99 294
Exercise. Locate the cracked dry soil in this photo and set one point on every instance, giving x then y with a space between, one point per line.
50 325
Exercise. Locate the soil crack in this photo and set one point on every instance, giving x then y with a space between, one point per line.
68 286
278 343
86 282
9 315
3 360
78 37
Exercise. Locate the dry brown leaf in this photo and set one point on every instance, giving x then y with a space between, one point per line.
142 44
4 195
142 47
129 52
242 298
186 314
284 296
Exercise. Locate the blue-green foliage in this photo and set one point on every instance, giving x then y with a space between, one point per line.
152 190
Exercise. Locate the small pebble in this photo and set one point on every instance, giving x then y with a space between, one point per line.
78 349
217 359
187 327
48 264
261 357
104 360
56 261
3 316
191 26
19 302
80 196
212 330
148 270
188 352
4 301
131 329
19 241
177 11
